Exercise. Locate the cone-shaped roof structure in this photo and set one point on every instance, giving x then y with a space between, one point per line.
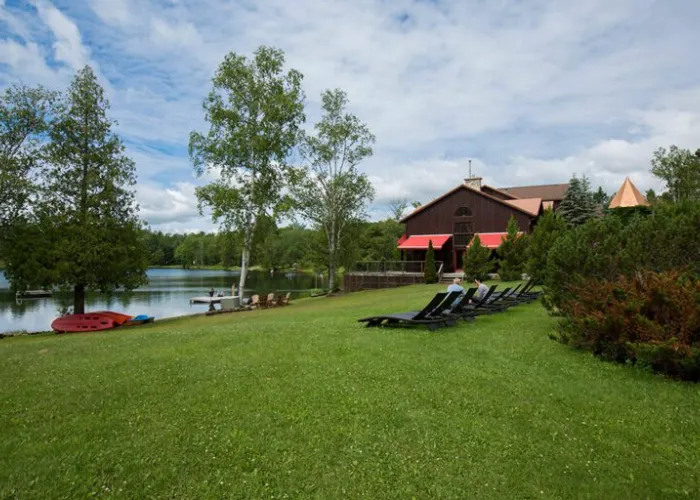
628 196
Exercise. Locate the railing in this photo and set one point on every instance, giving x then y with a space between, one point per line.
393 267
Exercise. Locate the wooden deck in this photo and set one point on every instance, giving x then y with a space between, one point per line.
208 300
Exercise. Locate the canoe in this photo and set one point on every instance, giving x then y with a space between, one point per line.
139 320
119 318
82 323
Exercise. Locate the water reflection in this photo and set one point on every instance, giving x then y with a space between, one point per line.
166 295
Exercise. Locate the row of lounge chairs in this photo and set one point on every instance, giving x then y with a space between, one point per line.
445 309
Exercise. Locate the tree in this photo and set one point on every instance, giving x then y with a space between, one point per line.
430 272
254 112
397 208
332 193
512 252
84 231
186 252
416 204
476 263
680 169
601 198
578 205
547 231
378 240
24 121
651 196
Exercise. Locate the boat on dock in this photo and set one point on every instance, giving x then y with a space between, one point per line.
34 294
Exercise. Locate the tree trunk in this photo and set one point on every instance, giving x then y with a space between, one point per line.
331 258
79 299
245 255
244 273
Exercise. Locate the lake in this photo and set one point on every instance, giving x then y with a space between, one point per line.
166 295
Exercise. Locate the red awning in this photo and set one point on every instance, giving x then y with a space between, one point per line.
491 240
420 241
402 239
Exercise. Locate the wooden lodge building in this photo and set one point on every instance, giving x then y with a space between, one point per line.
451 220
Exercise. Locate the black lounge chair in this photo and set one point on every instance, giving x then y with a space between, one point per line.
430 316
468 310
494 304
462 302
527 295
521 297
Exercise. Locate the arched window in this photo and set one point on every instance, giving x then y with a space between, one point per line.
463 212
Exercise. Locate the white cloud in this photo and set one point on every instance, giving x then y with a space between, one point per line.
161 205
68 46
533 91
26 59
113 12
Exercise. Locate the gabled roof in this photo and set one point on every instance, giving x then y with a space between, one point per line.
509 195
548 192
454 190
531 205
628 196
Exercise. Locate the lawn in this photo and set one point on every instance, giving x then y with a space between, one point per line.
303 402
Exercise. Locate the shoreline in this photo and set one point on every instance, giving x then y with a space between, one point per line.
25 333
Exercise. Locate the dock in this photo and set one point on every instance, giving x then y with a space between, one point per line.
208 300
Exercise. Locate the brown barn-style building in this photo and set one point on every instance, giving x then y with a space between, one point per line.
451 220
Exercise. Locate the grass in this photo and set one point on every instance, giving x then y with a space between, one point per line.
302 402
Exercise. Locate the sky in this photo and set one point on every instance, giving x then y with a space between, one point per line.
533 91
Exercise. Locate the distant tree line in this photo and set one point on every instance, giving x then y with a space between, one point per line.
289 247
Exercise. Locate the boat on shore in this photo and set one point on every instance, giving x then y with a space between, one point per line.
97 321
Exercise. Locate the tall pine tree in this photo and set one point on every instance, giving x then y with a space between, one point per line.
85 230
476 263
550 226
512 252
578 205
430 272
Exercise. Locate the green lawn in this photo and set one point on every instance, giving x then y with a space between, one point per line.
303 402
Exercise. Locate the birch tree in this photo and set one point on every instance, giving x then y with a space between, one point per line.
254 112
333 193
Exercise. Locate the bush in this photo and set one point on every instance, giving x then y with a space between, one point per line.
430 273
592 251
650 318
667 239
475 263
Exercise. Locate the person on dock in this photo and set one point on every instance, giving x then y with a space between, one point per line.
211 292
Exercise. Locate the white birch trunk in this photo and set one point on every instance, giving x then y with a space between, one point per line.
331 257
245 254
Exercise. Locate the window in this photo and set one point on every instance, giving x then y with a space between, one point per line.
463 212
463 233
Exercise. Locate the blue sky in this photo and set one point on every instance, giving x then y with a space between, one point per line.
532 90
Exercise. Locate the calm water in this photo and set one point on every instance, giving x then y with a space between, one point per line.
166 295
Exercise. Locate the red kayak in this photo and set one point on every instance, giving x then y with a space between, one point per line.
119 318
82 323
